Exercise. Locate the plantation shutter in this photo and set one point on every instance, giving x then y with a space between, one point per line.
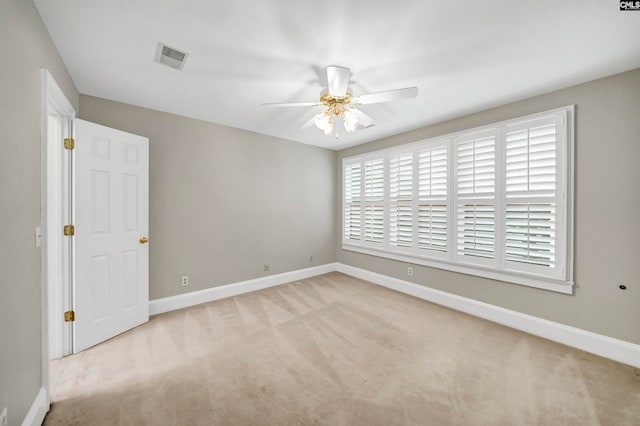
374 201
476 197
530 180
400 200
433 202
352 201
495 201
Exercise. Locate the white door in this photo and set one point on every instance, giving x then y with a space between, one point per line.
111 265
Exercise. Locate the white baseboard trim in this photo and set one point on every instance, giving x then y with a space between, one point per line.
166 304
608 347
38 410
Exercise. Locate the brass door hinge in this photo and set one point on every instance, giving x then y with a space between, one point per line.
69 143
69 230
69 316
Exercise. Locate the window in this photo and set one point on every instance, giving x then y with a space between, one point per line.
493 201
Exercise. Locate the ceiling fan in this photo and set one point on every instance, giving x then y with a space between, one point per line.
340 102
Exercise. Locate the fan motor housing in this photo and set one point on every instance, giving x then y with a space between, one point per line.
336 104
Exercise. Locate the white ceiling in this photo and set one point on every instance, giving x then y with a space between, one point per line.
463 56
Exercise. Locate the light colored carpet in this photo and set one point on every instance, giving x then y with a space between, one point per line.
335 350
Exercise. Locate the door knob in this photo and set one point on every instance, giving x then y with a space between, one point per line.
144 240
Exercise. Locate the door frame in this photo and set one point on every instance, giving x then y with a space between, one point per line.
54 192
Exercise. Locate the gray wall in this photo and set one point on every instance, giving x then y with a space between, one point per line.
25 47
607 243
224 201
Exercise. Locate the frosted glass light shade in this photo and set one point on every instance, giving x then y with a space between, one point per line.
350 120
324 122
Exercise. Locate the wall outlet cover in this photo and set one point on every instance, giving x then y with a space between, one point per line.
38 241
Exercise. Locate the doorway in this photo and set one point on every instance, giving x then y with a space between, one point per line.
94 232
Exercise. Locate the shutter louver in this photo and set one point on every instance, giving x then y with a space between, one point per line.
352 201
530 234
374 180
530 222
476 230
352 218
374 224
432 227
400 196
374 201
531 161
352 182
401 221
476 176
401 177
477 167
433 198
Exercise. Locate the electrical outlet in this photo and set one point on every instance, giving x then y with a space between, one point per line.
410 271
185 280
3 417
266 267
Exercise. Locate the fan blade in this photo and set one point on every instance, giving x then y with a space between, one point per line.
338 80
293 104
363 119
308 123
386 96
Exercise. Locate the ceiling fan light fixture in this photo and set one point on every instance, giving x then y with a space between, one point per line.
340 102
349 120
324 122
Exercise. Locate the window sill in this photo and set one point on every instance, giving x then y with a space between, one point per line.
544 283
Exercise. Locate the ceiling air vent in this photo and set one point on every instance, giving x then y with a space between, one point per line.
170 57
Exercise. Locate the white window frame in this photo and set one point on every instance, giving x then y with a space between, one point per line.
561 277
